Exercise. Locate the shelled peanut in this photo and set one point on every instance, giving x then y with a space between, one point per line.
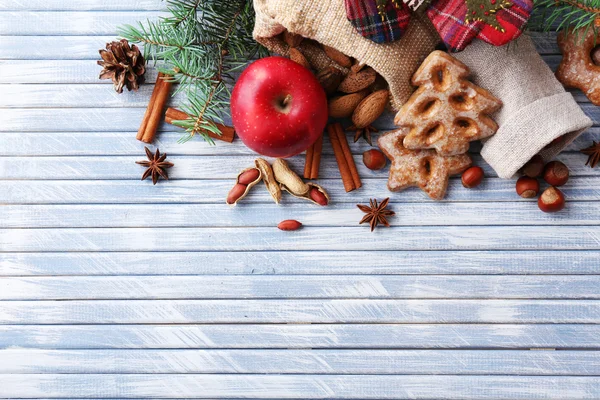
244 182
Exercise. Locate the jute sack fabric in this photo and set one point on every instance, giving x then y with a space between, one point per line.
536 109
325 21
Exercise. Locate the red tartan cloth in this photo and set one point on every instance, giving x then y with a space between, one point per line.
448 17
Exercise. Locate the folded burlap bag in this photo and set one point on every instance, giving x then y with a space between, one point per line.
536 109
325 21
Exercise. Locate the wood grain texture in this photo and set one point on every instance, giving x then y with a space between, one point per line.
114 288
214 192
325 362
121 144
303 336
301 263
296 311
301 287
299 386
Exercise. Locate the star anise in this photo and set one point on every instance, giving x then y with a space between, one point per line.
376 213
362 132
156 165
594 152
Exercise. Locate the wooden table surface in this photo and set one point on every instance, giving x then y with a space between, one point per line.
114 288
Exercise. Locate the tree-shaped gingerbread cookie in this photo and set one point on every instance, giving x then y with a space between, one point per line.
447 111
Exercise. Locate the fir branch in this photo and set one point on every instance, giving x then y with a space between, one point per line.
558 15
201 45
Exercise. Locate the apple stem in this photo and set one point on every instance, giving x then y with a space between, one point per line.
286 100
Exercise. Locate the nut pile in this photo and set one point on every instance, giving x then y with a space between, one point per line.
555 173
355 91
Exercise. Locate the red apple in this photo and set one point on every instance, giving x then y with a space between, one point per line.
278 107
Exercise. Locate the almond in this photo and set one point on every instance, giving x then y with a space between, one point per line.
292 39
357 81
337 56
344 106
370 108
297 56
330 79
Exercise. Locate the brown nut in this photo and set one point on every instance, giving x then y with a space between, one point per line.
298 57
374 159
527 187
556 173
235 193
318 197
248 176
472 177
289 225
534 167
292 39
552 200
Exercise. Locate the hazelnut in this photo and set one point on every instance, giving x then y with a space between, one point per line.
472 177
534 167
556 173
552 200
527 187
374 159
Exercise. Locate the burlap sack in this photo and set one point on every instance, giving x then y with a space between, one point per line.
325 21
536 109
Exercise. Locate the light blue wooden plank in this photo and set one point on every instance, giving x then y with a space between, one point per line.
123 119
58 72
77 96
299 311
304 263
343 214
70 22
48 47
312 238
327 362
207 167
288 336
300 386
80 5
122 144
301 287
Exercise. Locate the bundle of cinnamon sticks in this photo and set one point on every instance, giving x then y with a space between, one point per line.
313 159
344 158
154 114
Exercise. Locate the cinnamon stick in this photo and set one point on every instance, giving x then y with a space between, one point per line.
144 124
227 132
162 95
348 155
340 158
308 162
316 160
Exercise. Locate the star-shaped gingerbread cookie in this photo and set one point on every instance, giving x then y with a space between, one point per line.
423 168
577 69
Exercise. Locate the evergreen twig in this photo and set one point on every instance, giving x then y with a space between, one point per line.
558 15
202 43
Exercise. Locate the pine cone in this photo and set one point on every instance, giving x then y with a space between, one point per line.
123 64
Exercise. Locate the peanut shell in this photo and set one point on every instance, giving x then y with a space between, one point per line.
357 81
370 108
237 193
288 179
269 179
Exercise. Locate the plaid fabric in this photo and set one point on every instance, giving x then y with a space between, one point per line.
448 17
363 15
